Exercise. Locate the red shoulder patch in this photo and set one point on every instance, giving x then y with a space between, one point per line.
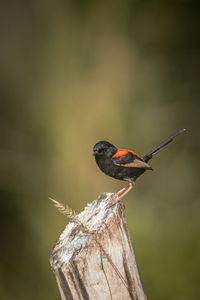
121 152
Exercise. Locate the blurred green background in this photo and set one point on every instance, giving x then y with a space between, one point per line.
73 73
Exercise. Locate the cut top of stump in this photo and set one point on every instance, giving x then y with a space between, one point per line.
78 232
93 257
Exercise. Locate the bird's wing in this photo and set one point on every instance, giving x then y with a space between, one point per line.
127 158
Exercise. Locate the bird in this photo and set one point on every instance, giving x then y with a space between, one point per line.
123 164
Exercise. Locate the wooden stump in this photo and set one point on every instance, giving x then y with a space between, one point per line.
94 259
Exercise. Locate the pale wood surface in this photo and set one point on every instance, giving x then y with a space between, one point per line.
94 259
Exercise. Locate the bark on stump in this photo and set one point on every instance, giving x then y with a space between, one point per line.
94 259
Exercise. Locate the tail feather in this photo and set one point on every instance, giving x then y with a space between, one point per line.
162 145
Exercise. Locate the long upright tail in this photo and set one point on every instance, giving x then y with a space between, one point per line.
162 145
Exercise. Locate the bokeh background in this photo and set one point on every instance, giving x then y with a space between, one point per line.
73 73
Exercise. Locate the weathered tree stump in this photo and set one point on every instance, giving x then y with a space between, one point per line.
94 259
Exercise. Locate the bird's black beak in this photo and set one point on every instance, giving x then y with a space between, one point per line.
94 153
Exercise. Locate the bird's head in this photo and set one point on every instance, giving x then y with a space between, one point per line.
104 148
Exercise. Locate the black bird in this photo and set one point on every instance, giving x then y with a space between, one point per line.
125 164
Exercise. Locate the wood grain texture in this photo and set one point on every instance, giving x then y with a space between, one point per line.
94 259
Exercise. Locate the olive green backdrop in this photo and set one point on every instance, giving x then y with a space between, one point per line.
73 73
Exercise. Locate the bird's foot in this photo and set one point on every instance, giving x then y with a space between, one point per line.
118 200
122 193
116 197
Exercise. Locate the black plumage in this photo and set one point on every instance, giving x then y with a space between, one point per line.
125 164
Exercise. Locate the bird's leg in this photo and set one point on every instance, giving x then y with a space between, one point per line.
131 185
120 191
